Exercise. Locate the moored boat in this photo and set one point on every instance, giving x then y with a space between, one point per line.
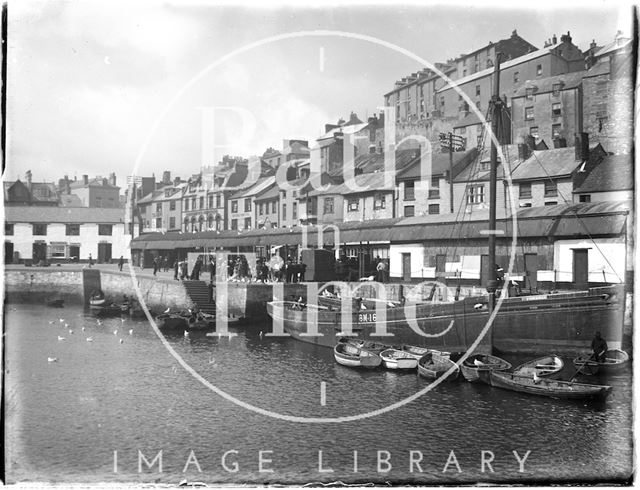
472 365
55 303
543 366
349 355
433 366
398 359
614 360
418 352
543 386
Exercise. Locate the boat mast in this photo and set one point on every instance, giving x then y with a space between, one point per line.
496 102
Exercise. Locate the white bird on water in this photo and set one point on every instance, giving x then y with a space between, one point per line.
131 331
83 329
89 339
167 310
115 332
52 359
121 341
61 320
52 322
123 319
261 334
99 321
61 338
70 331
66 325
186 334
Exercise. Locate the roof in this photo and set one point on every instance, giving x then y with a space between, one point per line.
613 173
40 191
477 172
567 220
503 66
70 201
542 164
95 182
443 67
570 80
374 162
618 43
260 185
373 182
29 214
269 193
439 164
350 129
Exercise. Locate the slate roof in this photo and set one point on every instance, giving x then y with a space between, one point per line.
371 182
439 164
613 173
95 182
261 184
542 164
40 191
31 214
474 171
70 201
544 85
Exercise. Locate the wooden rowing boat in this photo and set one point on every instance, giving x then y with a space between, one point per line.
418 352
614 360
434 366
55 303
472 365
349 355
552 388
398 359
368 345
543 366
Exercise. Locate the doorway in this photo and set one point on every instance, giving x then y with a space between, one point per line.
8 252
406 267
104 252
39 252
581 267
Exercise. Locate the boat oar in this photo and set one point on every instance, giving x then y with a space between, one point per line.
580 368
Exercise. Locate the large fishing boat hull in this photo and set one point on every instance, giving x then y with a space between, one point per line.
563 323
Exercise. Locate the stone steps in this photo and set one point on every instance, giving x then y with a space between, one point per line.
198 291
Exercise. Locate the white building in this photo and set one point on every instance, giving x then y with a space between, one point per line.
60 234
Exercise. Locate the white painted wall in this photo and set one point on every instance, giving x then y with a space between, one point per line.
605 254
417 260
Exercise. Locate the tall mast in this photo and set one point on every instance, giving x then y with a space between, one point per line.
493 178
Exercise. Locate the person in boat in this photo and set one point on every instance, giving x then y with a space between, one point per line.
599 347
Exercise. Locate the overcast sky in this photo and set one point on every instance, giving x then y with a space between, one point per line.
87 81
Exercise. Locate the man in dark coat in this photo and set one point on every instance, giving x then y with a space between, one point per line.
120 262
599 347
176 266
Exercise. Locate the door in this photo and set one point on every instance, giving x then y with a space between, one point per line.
8 252
39 252
531 271
104 252
406 267
74 253
441 261
581 267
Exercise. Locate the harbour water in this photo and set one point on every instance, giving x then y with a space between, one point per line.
90 415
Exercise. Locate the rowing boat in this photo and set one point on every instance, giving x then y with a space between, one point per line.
614 360
349 355
398 359
418 352
480 362
543 366
433 366
552 388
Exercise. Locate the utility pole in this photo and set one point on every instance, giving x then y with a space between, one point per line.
451 172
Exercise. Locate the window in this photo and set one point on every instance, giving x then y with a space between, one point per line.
210 200
434 189
234 224
475 194
434 208
328 205
539 70
201 202
585 198
158 207
489 63
556 89
528 113
442 103
284 211
555 131
247 204
158 223
234 206
58 250
105 230
550 189
556 109
601 88
8 229
247 221
218 201
273 207
477 90
352 204
409 211
172 205
529 93
409 190
516 77
39 229
193 203
534 131
260 209
379 201
186 204
73 230
550 203
294 211
525 190
172 222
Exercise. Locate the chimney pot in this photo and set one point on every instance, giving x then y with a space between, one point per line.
85 179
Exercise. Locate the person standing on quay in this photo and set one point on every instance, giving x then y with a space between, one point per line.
90 261
176 266
155 265
120 263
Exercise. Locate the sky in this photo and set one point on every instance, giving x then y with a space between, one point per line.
95 87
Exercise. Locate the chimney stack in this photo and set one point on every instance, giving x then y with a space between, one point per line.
523 151
85 179
67 185
28 177
582 147
112 179
166 177
554 39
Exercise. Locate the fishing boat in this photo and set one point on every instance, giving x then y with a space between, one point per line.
418 352
55 303
433 366
349 355
543 386
97 302
520 324
398 359
472 365
111 309
614 360
543 366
